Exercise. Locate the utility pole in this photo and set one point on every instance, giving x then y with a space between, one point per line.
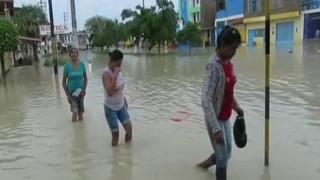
267 83
66 24
143 4
74 24
53 39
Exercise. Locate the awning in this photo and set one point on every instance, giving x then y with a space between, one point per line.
236 21
23 38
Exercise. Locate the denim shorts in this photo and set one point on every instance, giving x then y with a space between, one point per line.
222 152
77 104
113 117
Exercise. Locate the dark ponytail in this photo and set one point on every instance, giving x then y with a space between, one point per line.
228 36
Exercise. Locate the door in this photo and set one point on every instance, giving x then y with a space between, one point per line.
252 37
285 34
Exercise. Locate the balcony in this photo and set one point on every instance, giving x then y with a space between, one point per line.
254 8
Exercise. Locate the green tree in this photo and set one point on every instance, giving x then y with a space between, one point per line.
8 40
28 19
190 34
156 24
103 31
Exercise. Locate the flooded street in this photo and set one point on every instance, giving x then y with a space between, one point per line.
38 140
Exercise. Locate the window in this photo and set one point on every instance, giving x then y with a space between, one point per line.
196 17
221 5
198 2
254 6
310 4
193 3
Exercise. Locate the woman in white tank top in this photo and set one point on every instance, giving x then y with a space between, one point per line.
115 107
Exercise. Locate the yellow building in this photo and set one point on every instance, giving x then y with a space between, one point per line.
284 28
286 23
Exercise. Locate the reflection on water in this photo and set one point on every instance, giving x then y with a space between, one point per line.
122 163
38 140
79 151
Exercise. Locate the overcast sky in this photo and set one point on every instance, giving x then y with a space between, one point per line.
88 8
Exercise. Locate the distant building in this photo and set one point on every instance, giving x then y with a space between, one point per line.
286 28
311 17
184 11
230 12
190 12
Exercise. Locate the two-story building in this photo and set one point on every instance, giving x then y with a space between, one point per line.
190 12
286 26
230 12
311 17
184 11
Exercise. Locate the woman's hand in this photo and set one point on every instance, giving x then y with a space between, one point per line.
240 112
83 93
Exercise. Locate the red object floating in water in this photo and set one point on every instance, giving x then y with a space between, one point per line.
176 119
181 115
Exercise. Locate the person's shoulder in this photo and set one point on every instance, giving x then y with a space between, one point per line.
67 65
82 63
213 63
106 73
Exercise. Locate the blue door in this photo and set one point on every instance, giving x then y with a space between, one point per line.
252 36
285 34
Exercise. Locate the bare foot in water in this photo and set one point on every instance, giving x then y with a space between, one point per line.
206 164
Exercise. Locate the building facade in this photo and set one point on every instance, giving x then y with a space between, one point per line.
190 12
231 12
184 11
311 19
194 11
286 23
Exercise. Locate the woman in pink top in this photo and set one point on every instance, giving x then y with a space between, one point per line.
115 106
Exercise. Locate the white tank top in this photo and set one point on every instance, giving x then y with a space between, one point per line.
115 102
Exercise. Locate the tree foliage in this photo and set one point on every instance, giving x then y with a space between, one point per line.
28 19
8 36
105 32
190 34
156 24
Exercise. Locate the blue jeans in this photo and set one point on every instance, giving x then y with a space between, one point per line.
222 152
113 117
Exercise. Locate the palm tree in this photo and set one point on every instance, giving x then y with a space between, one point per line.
28 19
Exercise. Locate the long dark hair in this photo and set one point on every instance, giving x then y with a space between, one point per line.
228 36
